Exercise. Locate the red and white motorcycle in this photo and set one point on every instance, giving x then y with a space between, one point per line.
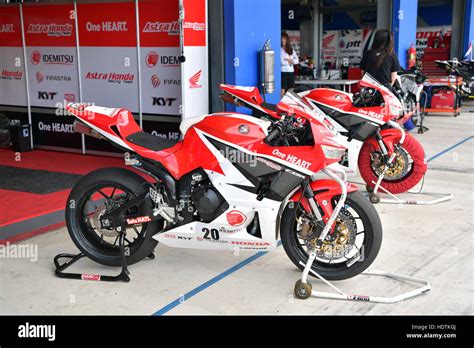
386 156
234 181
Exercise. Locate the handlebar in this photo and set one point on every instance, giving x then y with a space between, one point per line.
273 134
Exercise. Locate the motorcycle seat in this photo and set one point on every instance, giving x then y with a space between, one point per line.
149 141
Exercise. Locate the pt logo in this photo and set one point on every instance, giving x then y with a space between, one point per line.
46 95
160 101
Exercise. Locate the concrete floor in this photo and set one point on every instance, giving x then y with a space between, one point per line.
430 242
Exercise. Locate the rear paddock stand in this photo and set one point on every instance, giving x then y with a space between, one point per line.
375 198
303 289
122 276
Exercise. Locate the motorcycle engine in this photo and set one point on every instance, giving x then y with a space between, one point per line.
199 200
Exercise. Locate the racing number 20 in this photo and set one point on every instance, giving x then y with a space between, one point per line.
211 234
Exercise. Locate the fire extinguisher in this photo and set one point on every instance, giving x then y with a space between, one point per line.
411 59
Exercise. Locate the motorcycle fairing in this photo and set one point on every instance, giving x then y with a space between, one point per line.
325 190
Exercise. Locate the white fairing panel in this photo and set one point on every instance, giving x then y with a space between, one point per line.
220 234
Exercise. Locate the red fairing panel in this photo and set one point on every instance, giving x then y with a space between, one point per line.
335 99
249 94
330 189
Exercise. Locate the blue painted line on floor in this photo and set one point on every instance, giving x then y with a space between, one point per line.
254 257
210 282
450 148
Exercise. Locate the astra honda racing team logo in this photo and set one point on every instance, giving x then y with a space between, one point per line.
111 77
194 80
153 58
11 74
170 28
61 59
51 29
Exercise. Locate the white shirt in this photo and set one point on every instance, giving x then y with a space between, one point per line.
285 65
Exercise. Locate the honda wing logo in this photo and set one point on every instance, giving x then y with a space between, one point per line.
193 81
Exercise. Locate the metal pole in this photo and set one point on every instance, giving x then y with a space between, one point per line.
28 102
137 19
78 52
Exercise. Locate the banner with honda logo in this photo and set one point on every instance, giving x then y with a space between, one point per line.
194 72
12 68
51 54
107 41
160 66
329 47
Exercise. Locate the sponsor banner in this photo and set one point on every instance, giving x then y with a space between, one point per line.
107 38
161 80
350 45
12 72
10 26
295 40
53 130
194 72
12 76
106 80
426 34
107 25
160 67
52 75
162 129
195 23
49 25
329 47
159 25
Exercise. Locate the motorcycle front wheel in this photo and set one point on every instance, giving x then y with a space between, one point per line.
91 197
408 168
352 247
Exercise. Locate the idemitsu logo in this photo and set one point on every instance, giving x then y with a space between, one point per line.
51 29
35 57
171 28
62 59
193 81
151 59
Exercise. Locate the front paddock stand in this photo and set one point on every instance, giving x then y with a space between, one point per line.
375 198
303 289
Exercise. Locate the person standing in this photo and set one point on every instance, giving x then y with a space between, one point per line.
288 60
381 61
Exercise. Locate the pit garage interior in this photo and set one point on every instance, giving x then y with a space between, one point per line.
429 242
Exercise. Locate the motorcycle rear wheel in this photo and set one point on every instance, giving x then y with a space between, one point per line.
358 209
86 200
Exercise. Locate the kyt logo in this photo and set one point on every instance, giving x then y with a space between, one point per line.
160 101
155 81
35 57
39 77
46 95
194 80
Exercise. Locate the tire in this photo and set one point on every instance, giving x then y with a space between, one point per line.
372 240
413 177
87 240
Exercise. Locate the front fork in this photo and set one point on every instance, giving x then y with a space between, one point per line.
385 152
332 173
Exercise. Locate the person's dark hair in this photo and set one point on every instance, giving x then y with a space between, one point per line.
288 48
382 45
